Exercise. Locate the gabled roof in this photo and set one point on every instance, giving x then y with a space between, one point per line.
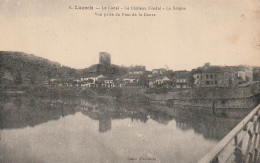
109 78
8 76
209 69
158 77
180 74
94 76
219 69
161 77
131 76
160 69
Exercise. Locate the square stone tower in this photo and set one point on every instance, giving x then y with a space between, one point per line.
104 58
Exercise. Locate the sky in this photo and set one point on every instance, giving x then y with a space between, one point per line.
223 32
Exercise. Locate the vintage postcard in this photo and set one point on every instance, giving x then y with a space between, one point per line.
129 81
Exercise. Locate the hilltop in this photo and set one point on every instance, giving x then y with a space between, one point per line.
106 70
30 69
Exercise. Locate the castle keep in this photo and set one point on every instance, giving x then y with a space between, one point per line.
104 58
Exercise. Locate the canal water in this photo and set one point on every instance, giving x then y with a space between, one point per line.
58 131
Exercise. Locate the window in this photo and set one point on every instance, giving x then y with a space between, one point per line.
207 76
211 76
207 83
216 82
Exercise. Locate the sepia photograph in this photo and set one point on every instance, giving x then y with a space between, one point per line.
129 81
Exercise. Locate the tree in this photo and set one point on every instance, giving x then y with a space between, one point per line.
1 76
90 80
143 80
18 78
49 74
191 80
32 79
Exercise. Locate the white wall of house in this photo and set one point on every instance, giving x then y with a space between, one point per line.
109 81
129 80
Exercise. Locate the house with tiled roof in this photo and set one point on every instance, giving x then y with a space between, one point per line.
106 82
181 79
222 76
156 81
160 71
131 78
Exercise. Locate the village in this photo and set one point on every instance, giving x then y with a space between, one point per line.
204 76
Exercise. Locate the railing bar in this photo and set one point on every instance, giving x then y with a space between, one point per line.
252 149
229 151
256 155
238 155
256 139
250 158
248 148
236 140
252 136
257 148
226 140
244 133
257 118
230 158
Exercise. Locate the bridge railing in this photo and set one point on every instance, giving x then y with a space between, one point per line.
242 144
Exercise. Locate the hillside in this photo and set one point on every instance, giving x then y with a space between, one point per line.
106 70
29 69
22 68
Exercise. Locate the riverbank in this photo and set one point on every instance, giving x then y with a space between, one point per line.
208 98
210 101
120 95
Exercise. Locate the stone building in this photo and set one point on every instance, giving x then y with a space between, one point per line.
104 58
211 77
181 79
256 74
222 76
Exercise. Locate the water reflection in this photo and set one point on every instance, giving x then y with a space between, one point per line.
209 126
105 124
160 117
19 113
115 131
